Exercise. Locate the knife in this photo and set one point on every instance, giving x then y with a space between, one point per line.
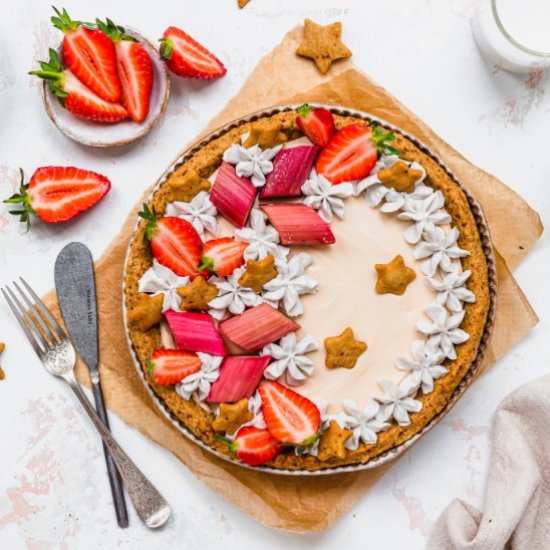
75 287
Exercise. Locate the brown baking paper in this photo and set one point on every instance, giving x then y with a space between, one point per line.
286 502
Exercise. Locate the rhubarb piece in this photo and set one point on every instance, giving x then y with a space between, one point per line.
257 327
298 224
239 377
232 195
291 167
195 332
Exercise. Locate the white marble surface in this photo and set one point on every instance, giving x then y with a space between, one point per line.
53 493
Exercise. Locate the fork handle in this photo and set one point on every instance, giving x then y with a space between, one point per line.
150 505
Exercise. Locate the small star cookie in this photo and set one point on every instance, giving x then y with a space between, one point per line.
258 273
197 294
323 44
148 312
184 187
400 176
333 441
232 416
2 348
393 278
266 134
343 350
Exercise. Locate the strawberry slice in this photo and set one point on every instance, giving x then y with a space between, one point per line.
186 57
352 152
58 193
222 256
289 416
135 70
174 242
90 55
170 366
316 123
75 96
253 446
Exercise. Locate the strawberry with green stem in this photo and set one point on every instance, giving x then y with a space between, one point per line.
170 366
317 123
58 193
252 445
90 54
135 70
75 96
353 151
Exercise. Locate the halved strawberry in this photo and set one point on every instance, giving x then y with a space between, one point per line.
289 416
186 57
316 123
174 242
170 366
352 152
75 96
90 55
253 446
58 193
135 70
222 256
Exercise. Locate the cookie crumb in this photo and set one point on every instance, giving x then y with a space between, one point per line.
2 373
242 3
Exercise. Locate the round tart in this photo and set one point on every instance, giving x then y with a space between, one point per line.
308 289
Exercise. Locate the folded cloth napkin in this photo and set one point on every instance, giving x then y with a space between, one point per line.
517 502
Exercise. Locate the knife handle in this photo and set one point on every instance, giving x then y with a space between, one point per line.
115 481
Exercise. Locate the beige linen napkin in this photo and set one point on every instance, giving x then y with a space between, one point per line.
517 501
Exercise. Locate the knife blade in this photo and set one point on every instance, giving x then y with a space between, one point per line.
76 294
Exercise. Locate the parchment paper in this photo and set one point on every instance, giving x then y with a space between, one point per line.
315 503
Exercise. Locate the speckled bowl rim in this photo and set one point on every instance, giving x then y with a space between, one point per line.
47 97
467 379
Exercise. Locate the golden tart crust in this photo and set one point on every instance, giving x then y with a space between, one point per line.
205 161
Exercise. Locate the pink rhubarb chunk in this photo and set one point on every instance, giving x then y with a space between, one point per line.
298 224
239 377
291 167
257 327
232 196
195 332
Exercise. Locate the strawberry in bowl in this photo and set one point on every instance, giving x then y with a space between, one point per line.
108 85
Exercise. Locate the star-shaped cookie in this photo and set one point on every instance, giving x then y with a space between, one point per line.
333 441
343 350
258 273
148 311
196 295
2 348
400 176
323 44
184 187
232 416
266 134
393 278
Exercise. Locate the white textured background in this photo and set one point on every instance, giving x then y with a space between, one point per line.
53 488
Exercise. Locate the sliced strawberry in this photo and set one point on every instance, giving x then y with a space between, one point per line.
170 366
186 57
175 243
90 55
75 96
135 70
289 416
58 193
352 152
316 123
222 256
253 446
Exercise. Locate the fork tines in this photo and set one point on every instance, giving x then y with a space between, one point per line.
38 324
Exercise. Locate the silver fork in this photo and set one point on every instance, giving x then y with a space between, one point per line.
57 353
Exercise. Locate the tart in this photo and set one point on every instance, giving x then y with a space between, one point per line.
328 290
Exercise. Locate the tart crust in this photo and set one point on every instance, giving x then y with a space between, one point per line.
199 421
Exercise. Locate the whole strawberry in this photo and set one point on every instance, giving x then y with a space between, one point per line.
58 193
